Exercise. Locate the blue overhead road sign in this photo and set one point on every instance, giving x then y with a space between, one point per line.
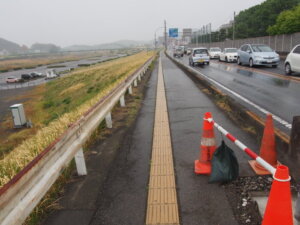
173 32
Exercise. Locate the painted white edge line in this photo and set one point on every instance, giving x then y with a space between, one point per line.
277 118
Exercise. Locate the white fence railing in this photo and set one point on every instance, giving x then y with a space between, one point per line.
19 196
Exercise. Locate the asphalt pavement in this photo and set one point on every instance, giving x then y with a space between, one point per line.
278 95
121 198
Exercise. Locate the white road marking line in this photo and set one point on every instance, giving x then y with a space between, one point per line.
275 117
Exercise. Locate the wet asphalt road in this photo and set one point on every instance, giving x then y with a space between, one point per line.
122 199
280 96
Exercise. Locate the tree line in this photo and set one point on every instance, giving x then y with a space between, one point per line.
268 18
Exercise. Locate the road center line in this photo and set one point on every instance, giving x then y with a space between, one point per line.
162 206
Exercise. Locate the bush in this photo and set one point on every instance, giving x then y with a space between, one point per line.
48 104
67 100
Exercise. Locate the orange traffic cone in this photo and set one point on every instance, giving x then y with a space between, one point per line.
207 148
279 206
267 149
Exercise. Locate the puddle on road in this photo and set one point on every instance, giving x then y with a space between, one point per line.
265 78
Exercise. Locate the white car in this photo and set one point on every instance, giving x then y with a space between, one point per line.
292 62
214 53
199 56
50 74
229 55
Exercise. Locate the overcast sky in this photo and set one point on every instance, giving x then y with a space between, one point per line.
68 22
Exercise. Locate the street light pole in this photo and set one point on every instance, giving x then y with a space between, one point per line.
165 35
155 40
233 26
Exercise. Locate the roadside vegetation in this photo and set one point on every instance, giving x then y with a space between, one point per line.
271 17
32 62
59 103
287 22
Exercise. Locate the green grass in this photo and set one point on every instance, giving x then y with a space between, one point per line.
61 102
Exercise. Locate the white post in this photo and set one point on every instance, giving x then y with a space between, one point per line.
122 101
80 163
135 83
139 77
108 120
130 90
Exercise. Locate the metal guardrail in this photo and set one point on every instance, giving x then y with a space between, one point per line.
21 194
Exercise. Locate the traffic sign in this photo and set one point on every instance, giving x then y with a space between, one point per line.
173 32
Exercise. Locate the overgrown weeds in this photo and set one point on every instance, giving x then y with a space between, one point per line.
61 104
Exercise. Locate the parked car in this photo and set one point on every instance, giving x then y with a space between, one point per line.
214 53
178 52
257 54
229 55
188 51
13 80
26 76
50 74
199 56
292 62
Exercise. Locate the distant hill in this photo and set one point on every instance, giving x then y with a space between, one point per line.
113 45
44 48
9 46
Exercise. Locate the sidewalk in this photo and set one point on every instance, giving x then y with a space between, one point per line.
122 198
200 202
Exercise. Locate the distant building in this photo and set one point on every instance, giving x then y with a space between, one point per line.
186 32
226 25
4 52
187 35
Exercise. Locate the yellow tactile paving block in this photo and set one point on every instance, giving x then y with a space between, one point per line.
158 170
164 181
162 206
161 159
163 214
162 196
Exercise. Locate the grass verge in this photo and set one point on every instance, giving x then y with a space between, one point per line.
61 102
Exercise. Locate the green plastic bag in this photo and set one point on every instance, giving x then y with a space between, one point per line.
225 166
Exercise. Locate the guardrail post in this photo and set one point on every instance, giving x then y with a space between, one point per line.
139 77
122 101
135 83
108 120
295 137
130 90
80 163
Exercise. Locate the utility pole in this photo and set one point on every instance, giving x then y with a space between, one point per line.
233 26
209 33
165 35
155 40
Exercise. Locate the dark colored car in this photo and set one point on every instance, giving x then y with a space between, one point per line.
26 76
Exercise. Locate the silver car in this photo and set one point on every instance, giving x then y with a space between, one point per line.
257 54
199 56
